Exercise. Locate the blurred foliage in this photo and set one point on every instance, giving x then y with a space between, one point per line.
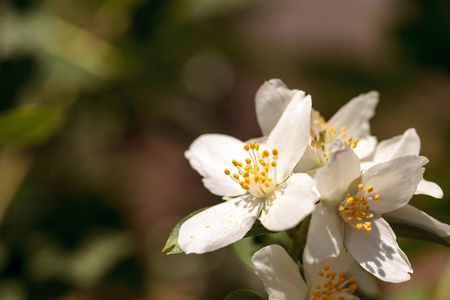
84 84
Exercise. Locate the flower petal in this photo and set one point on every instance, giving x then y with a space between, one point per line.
366 282
366 146
289 204
356 115
415 217
325 234
219 226
308 163
377 251
395 181
210 155
271 100
333 180
406 144
340 264
429 188
280 274
291 135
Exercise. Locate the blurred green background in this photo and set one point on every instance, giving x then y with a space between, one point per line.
99 99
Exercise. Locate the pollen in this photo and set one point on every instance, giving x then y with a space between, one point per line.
334 287
323 134
259 170
355 210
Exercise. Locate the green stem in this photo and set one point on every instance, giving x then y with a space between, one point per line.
298 238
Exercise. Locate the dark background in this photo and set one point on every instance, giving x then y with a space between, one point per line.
99 100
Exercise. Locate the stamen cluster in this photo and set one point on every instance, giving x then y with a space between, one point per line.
258 175
323 134
354 209
335 284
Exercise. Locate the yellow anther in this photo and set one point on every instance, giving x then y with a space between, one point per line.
252 145
313 143
376 197
321 273
369 189
316 122
240 164
236 176
343 128
246 147
342 275
341 208
350 201
318 286
262 162
227 172
267 184
246 187
341 298
269 179
246 174
319 144
273 164
311 132
257 146
352 279
359 226
235 163
326 267
265 154
248 161
341 280
317 113
275 152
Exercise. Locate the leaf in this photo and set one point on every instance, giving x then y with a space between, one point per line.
411 232
29 125
243 295
244 250
172 241
257 229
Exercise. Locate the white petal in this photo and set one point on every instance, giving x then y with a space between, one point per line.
333 180
280 274
366 146
290 203
415 217
308 163
366 282
291 135
356 115
377 251
219 226
429 188
342 263
325 234
406 144
271 100
395 181
210 155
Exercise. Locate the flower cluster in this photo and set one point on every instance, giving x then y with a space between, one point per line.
332 176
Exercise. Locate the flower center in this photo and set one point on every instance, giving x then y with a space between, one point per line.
258 175
334 284
354 209
323 134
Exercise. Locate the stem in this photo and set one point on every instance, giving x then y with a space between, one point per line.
298 238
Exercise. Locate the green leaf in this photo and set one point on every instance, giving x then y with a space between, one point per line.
411 232
243 295
172 241
29 125
257 229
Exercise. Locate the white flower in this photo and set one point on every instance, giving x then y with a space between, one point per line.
408 144
351 208
350 124
282 279
259 185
